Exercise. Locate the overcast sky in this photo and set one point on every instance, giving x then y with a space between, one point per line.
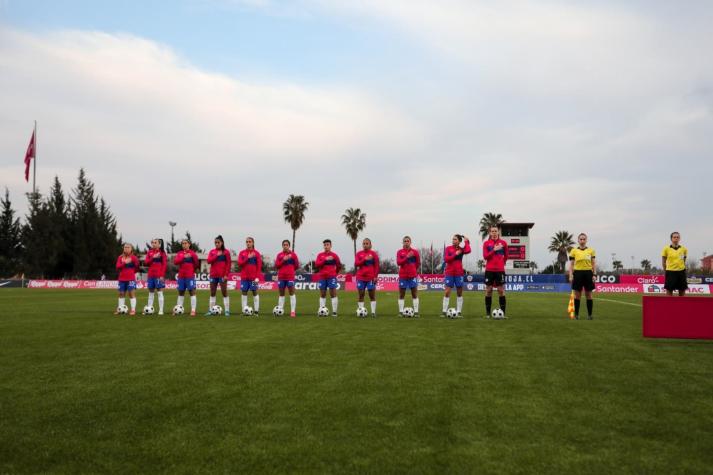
592 116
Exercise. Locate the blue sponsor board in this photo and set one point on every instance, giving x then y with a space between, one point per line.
523 278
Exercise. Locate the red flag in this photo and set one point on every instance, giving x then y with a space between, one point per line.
29 156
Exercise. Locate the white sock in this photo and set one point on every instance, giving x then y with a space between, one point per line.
256 302
150 299
244 300
179 301
373 306
293 303
446 302
459 304
415 305
281 301
226 303
360 304
401 305
160 301
322 302
194 302
122 301
335 304
211 302
133 303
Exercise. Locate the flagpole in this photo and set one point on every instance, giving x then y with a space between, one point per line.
34 163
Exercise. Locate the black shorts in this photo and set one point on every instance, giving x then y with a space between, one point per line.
496 279
583 279
676 280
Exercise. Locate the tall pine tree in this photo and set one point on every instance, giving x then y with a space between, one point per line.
36 234
59 250
10 239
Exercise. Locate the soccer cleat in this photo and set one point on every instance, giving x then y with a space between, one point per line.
576 317
443 314
160 313
589 317
193 313
334 314
256 314
207 314
292 314
373 315
416 315
459 315
227 313
116 312
401 314
133 312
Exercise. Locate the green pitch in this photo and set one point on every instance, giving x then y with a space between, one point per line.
84 391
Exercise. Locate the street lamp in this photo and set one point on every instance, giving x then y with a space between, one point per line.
173 225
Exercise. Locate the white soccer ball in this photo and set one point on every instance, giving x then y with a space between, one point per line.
498 314
361 312
148 310
122 309
408 312
323 311
216 310
178 310
451 313
247 310
278 311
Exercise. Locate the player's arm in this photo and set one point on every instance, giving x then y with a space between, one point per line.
242 258
450 256
376 267
296 261
120 262
466 249
338 263
279 260
319 263
228 261
487 255
148 258
571 265
594 265
164 264
505 250
418 259
212 256
663 259
259 262
401 258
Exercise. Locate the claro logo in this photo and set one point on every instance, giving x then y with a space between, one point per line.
646 280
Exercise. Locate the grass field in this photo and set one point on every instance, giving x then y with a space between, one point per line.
84 391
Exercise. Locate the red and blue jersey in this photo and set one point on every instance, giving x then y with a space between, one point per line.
454 259
286 264
219 260
187 262
495 260
408 260
156 260
328 264
127 270
367 265
250 265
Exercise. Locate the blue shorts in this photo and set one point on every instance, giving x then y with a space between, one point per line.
127 285
155 283
217 280
330 283
453 281
281 284
411 283
186 284
365 284
246 285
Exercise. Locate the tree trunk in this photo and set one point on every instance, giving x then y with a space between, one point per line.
294 248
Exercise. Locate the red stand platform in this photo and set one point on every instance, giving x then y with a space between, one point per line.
678 317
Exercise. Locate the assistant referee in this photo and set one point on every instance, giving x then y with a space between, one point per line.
582 269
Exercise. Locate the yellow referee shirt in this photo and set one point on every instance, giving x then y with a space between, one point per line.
675 257
582 258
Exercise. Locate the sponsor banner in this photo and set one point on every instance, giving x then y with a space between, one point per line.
8 283
641 279
693 289
619 288
108 284
607 278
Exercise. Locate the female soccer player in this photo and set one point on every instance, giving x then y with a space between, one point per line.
219 260
286 264
408 260
156 260
127 264
250 262
366 263
454 271
582 269
495 253
673 260
187 262
328 264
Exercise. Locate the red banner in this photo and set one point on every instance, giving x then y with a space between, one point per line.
641 279
619 288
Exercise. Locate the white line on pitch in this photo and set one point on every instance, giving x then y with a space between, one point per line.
619 301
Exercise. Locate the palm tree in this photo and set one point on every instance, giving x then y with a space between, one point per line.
561 243
488 220
293 210
646 265
354 221
617 265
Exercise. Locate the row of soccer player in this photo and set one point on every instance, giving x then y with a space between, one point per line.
327 265
581 273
